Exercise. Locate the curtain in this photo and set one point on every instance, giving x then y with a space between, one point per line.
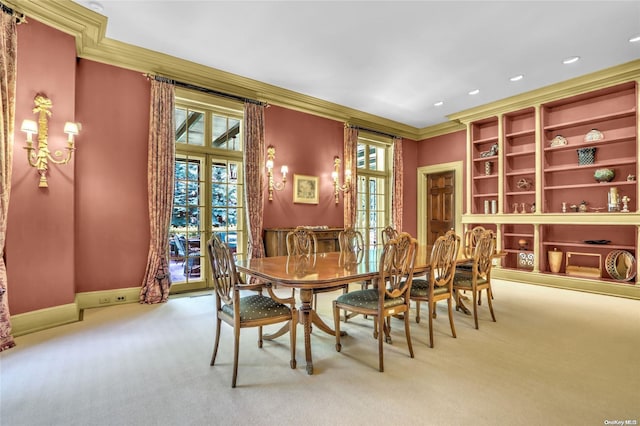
253 174
160 171
396 195
350 162
9 41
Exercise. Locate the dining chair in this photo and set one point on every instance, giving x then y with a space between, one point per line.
389 297
479 277
388 234
439 283
253 310
189 256
303 241
351 245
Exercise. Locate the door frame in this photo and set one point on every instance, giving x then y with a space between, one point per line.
457 167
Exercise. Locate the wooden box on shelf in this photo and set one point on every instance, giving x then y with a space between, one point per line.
589 269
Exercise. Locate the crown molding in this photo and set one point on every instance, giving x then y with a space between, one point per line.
440 129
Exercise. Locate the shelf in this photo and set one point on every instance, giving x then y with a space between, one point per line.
517 234
486 140
493 157
518 154
597 165
521 133
589 120
590 185
585 245
492 194
480 177
521 193
521 172
588 144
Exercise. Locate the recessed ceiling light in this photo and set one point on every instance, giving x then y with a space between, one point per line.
474 92
439 103
517 77
634 39
95 6
571 60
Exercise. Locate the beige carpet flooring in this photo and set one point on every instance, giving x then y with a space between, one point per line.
554 357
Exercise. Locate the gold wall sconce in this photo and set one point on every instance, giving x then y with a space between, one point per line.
40 156
278 186
335 175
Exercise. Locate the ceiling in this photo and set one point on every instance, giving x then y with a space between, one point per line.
392 59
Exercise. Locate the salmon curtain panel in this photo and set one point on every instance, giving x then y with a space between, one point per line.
396 195
9 41
254 164
350 153
160 177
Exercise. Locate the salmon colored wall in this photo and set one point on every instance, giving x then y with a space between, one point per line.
410 184
307 144
445 149
112 215
40 224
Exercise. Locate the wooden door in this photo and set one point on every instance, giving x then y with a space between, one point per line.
440 204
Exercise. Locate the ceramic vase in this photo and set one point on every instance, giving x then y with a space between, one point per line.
555 260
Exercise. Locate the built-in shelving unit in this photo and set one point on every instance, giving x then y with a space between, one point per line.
542 184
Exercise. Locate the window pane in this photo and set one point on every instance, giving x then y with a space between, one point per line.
226 133
189 126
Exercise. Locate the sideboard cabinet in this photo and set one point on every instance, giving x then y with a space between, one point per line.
561 176
275 240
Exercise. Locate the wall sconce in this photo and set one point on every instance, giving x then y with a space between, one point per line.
278 186
336 179
39 157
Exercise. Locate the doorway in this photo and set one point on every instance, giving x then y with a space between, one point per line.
440 200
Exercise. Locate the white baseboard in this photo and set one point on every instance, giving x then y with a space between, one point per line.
99 299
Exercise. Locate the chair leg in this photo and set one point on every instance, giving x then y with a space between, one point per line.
432 307
260 337
407 332
417 312
489 297
475 308
217 341
336 320
380 318
450 307
293 324
236 349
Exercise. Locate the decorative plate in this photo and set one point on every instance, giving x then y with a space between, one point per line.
593 135
558 141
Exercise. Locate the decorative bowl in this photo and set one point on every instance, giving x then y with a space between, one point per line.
604 175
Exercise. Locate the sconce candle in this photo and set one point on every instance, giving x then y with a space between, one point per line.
40 156
335 175
278 186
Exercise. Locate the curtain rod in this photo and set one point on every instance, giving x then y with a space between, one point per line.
372 131
20 18
205 90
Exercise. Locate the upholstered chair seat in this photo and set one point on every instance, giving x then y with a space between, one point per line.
368 299
257 307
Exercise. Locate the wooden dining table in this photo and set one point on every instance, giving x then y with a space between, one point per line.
320 271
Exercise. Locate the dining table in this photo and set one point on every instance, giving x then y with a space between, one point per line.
319 271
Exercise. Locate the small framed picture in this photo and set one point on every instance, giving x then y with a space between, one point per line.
305 189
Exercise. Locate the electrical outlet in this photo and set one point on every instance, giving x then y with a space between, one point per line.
104 300
121 298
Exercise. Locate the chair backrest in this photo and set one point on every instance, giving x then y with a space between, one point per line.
444 254
351 246
471 237
301 241
483 255
223 268
396 266
180 242
388 234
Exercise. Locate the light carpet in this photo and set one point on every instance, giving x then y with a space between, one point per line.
553 357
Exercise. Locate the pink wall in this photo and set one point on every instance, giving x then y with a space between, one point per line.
40 228
445 149
410 183
112 216
307 144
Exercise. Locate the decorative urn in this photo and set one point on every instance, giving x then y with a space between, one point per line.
604 175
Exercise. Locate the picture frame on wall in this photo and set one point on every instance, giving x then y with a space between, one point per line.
305 189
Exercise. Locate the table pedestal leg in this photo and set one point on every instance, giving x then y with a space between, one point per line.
306 317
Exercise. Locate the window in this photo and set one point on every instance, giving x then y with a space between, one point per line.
373 185
209 190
